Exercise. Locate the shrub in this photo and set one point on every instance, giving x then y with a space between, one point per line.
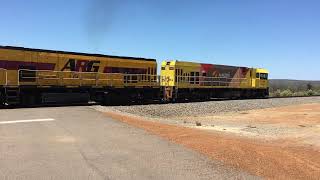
198 123
300 93
276 93
286 93
310 92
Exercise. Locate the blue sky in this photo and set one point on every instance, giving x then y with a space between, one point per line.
280 35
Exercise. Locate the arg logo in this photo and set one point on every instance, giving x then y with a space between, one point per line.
81 66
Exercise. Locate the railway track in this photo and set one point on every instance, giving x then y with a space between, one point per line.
156 102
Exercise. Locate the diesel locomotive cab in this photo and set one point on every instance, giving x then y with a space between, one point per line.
261 81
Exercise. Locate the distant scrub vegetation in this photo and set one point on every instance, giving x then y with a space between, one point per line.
287 88
288 93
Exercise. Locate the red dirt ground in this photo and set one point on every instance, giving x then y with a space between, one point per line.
306 114
273 160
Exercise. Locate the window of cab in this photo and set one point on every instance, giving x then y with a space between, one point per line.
263 76
257 75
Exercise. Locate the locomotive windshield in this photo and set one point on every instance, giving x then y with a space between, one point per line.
263 76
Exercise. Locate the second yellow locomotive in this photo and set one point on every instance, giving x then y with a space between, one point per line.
188 80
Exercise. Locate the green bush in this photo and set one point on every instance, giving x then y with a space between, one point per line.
316 92
286 93
300 93
276 93
310 92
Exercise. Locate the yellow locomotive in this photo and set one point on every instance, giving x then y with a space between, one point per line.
189 80
32 76
37 76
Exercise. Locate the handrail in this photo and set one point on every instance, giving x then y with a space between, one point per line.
210 77
6 76
210 81
134 79
81 76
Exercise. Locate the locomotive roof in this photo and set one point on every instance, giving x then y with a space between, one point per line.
74 53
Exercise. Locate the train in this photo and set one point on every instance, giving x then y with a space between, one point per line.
31 76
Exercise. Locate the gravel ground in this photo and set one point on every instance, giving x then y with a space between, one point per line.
210 108
223 116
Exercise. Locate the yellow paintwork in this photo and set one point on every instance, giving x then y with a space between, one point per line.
259 70
68 78
169 77
99 79
261 83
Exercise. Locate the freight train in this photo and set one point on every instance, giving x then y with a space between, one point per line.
37 76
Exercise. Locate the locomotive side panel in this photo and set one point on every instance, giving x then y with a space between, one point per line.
28 67
196 75
31 76
188 80
228 76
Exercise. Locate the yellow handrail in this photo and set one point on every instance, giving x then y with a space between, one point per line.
5 77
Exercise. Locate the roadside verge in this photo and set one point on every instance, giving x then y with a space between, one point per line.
270 159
